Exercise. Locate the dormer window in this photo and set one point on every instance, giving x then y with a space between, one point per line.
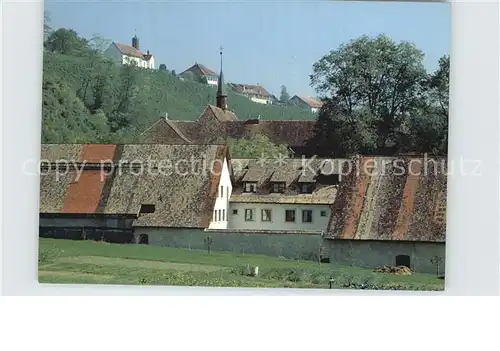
250 187
278 187
306 188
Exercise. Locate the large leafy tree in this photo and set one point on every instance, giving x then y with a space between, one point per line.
439 86
67 42
376 79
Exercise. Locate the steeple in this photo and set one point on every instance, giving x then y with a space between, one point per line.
221 88
135 41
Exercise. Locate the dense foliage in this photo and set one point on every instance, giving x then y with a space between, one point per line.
257 147
379 99
87 98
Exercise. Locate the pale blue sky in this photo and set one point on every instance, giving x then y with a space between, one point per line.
266 42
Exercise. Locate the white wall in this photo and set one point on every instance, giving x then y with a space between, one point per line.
237 221
138 61
151 63
222 202
212 82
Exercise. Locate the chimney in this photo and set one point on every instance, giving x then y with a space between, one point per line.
166 116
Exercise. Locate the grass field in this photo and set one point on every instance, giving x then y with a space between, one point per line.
67 261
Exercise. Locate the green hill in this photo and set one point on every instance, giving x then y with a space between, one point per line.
88 99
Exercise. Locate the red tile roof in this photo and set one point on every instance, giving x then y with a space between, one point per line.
405 201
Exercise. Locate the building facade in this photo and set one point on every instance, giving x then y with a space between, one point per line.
286 197
124 54
255 93
309 103
199 72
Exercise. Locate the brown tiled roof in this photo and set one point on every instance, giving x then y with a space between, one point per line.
200 69
250 89
309 101
214 126
392 203
181 200
129 50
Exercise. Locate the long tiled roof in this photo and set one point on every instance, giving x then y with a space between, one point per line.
139 174
403 201
215 126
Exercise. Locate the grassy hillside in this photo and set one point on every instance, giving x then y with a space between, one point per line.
89 262
87 99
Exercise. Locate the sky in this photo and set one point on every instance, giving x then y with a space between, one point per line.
271 43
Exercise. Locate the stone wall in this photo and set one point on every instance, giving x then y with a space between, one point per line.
294 245
371 254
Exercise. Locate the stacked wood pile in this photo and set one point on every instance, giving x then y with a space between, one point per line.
397 270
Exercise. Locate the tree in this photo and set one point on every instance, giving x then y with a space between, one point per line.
173 73
340 134
284 96
121 117
376 78
256 147
163 67
67 42
439 86
47 29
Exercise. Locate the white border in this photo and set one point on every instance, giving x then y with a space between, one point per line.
473 210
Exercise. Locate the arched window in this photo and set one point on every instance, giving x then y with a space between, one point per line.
403 260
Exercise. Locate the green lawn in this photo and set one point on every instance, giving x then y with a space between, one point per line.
68 261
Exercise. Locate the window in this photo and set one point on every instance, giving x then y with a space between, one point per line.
307 216
221 191
278 187
306 188
289 215
250 187
235 212
227 191
265 215
223 215
323 213
220 215
249 214
215 215
147 209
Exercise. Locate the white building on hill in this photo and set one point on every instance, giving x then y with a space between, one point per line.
125 54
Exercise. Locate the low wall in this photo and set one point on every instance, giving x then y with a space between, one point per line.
372 254
298 245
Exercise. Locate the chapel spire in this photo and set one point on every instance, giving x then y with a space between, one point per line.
221 88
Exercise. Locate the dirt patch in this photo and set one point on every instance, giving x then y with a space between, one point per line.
125 262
